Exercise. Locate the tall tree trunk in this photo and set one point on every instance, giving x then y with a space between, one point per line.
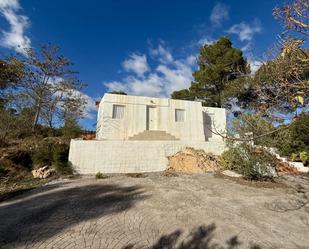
36 115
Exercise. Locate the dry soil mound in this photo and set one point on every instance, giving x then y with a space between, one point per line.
190 160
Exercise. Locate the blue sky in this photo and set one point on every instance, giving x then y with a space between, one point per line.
141 47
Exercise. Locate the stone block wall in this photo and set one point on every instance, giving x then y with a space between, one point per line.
90 157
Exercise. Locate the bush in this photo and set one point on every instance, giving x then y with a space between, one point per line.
295 157
304 157
42 155
251 162
295 138
54 154
100 175
60 155
71 129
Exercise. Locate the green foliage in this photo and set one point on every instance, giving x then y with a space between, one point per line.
254 126
60 158
71 129
219 65
43 155
11 71
100 175
295 157
248 161
182 94
304 157
52 154
283 82
295 138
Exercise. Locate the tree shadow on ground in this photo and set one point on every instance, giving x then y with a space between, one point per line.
200 238
44 214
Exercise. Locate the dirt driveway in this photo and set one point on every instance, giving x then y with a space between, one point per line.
188 211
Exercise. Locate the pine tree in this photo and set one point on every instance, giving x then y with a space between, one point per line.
219 65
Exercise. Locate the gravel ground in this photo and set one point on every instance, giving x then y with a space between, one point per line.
187 211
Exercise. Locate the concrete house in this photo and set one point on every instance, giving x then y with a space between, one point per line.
137 134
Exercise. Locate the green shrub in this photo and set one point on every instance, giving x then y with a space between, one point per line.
71 129
295 138
42 155
100 175
295 157
52 154
251 162
304 157
60 155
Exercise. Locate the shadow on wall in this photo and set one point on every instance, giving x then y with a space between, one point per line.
201 238
39 216
207 121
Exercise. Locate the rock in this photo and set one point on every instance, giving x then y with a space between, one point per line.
300 167
43 172
284 168
231 173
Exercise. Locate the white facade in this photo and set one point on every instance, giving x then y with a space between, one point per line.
125 125
185 120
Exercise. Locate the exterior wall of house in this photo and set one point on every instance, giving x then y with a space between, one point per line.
214 120
135 118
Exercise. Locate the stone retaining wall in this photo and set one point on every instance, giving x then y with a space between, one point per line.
90 157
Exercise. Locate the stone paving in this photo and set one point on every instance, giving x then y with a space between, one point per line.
188 211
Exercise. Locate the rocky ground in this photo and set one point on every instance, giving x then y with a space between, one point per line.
156 211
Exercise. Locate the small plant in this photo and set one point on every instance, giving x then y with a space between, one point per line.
60 155
295 157
100 175
304 157
250 162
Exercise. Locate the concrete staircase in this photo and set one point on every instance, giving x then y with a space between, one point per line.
153 135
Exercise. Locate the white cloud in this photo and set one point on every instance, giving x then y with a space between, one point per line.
163 54
15 37
90 108
219 14
169 75
205 40
136 64
245 31
254 65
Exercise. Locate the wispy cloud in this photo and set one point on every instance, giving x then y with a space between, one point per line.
14 37
162 54
246 31
169 75
219 14
136 64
